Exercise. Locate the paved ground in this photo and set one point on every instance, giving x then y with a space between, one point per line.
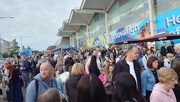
1 100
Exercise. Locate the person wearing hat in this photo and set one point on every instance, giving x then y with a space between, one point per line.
170 48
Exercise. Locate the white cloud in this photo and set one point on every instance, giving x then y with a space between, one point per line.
36 21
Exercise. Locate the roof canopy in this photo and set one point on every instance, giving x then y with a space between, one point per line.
64 34
84 15
51 47
67 27
79 17
101 5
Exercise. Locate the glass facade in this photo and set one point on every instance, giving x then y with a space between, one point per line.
125 13
82 36
161 6
97 25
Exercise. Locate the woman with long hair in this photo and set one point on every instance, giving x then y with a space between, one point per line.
93 68
90 89
125 89
106 79
15 82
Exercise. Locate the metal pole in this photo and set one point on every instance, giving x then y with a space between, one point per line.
70 41
151 17
88 38
107 33
6 17
21 42
1 38
77 38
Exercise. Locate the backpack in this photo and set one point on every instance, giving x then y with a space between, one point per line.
37 87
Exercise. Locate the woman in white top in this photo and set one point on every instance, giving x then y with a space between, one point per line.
6 72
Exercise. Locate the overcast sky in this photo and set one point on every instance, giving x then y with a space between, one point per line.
36 21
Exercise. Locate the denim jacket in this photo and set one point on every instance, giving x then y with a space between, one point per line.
147 81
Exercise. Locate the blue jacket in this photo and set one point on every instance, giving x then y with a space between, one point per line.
26 64
31 94
147 81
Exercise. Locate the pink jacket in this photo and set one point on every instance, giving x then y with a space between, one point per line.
159 94
104 80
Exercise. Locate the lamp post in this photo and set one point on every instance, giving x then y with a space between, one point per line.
21 41
1 37
6 17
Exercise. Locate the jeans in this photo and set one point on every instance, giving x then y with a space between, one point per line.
26 79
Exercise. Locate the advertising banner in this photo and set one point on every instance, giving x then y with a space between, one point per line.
139 30
98 41
168 22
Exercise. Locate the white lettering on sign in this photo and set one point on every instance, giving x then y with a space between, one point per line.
126 31
173 20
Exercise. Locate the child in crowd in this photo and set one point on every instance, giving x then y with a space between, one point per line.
106 79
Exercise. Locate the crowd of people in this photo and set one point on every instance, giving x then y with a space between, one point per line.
138 74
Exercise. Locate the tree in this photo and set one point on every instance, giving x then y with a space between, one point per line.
14 50
5 55
28 47
23 47
35 51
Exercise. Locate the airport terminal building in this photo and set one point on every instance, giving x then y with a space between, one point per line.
108 22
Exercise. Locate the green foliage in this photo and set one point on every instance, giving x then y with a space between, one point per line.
28 47
5 55
35 52
23 47
14 50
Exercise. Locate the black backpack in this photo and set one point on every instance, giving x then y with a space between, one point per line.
37 87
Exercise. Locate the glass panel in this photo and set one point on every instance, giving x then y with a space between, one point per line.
146 9
177 3
124 5
138 13
126 18
159 8
169 5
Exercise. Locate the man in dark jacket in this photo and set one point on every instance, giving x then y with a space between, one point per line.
170 48
129 65
26 71
163 50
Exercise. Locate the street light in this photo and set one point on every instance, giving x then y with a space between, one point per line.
21 41
1 37
6 17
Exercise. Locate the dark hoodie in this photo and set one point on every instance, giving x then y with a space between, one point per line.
71 87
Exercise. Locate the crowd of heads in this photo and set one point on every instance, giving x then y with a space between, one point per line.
93 88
